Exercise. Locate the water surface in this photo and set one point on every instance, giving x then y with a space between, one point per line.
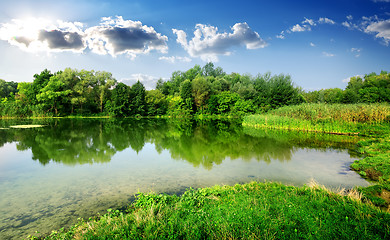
73 168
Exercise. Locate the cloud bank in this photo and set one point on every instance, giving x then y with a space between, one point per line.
380 28
208 43
371 25
113 36
119 36
42 35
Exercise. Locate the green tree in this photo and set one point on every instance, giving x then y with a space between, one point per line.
25 93
40 81
192 73
210 70
156 102
53 94
6 88
352 90
121 100
70 79
223 103
186 94
104 82
200 92
138 102
164 87
83 93
276 91
220 85
176 107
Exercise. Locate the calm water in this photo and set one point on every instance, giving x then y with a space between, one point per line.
73 168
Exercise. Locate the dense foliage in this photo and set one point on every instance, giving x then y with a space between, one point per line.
372 88
206 90
199 90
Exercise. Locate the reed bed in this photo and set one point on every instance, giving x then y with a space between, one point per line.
287 123
351 119
356 113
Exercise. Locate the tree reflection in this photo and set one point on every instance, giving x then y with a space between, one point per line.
202 143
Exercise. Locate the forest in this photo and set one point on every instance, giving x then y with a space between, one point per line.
206 90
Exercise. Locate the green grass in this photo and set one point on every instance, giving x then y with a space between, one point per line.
371 121
249 211
352 119
356 113
288 123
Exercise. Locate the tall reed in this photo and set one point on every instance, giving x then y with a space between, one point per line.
326 118
361 113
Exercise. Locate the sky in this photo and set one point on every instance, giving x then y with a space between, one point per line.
320 44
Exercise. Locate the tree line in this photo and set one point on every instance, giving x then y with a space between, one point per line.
206 90
370 88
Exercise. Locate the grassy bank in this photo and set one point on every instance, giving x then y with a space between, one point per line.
371 121
249 211
352 119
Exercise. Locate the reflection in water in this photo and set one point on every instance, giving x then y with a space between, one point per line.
81 141
73 168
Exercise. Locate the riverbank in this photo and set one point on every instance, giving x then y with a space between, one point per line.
369 121
248 211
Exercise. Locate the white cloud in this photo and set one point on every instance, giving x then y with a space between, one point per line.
305 25
381 28
347 24
299 28
326 54
326 20
113 36
148 81
281 35
173 59
371 25
356 51
119 36
208 44
312 44
38 34
351 25
309 21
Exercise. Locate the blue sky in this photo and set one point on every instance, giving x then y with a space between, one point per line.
319 43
